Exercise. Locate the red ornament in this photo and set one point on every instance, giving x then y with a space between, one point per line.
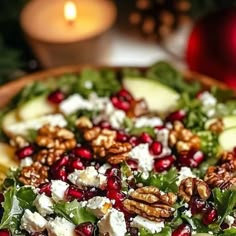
211 48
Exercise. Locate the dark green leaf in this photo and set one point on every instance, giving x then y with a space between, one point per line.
229 232
74 212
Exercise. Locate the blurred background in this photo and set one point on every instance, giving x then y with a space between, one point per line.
199 35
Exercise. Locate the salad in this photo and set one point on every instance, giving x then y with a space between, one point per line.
123 153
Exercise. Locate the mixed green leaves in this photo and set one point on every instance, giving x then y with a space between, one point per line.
165 181
164 232
16 201
74 212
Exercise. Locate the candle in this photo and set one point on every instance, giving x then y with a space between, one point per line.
67 32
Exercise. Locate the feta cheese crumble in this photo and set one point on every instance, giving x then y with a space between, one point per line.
60 227
88 177
147 121
113 224
142 155
44 204
184 173
58 189
26 162
99 206
33 222
151 226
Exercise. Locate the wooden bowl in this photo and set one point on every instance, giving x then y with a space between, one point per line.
10 89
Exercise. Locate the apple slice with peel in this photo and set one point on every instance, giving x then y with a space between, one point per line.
228 121
36 107
227 139
10 118
159 97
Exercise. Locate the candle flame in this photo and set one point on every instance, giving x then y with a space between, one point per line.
70 11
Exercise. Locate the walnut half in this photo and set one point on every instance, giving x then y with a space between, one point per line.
151 203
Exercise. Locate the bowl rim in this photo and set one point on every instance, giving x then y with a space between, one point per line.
8 90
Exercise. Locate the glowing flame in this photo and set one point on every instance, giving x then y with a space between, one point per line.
70 11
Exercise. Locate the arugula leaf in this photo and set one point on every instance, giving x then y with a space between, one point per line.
225 202
16 201
165 232
165 181
73 212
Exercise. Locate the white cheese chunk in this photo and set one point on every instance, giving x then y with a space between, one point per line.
99 206
112 224
229 220
147 121
26 162
21 128
33 222
207 99
184 173
162 136
142 155
102 169
60 227
58 189
151 226
44 204
88 177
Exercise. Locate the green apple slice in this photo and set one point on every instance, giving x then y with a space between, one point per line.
36 107
227 139
159 97
228 121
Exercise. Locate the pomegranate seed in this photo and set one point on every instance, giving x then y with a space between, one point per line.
83 152
92 192
121 137
159 127
209 216
191 158
132 164
145 138
113 183
25 152
104 124
60 174
60 163
113 172
177 115
125 94
196 205
164 163
120 104
85 229
46 189
56 97
5 232
224 226
155 148
1 198
182 230
134 141
74 193
75 164
117 196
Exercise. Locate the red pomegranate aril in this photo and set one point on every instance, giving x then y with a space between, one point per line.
145 138
60 174
83 152
125 94
132 164
115 195
113 183
196 205
182 230
104 124
177 115
85 229
121 137
210 216
164 163
75 164
155 148
46 189
1 198
74 193
25 152
5 232
56 97
90 193
60 163
119 104
191 158
133 140
113 172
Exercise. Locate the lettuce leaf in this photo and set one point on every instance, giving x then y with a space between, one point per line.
74 212
165 232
